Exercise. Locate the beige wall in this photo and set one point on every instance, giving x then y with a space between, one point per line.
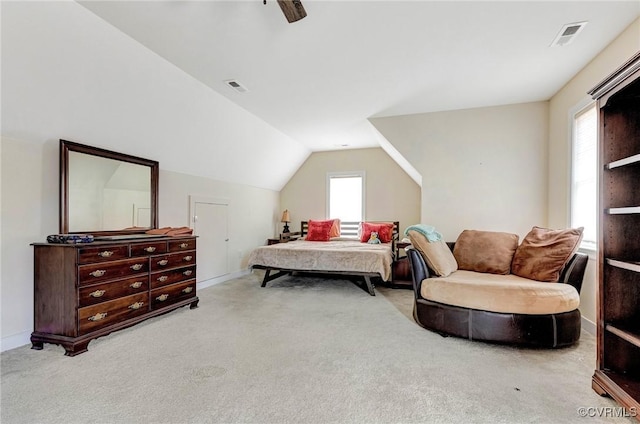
252 212
570 98
390 193
79 78
561 108
481 168
29 193
29 214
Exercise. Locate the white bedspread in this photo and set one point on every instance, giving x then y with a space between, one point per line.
335 255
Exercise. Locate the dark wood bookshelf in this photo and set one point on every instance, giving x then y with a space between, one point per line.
617 371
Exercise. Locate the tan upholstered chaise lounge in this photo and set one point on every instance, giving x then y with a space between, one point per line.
499 308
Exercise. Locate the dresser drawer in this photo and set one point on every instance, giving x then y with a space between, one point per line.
163 278
104 253
173 260
91 295
149 248
93 273
104 314
173 293
182 245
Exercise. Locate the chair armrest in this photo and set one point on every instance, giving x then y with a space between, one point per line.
419 270
573 271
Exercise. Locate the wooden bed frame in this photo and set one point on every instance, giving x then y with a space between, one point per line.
347 229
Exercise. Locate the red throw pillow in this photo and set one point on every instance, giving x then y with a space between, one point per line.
319 230
335 226
384 230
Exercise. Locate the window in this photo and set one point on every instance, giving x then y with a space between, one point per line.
345 196
584 188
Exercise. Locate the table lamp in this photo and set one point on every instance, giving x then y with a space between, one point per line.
286 219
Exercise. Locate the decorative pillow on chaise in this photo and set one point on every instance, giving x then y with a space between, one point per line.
436 254
485 251
319 230
544 252
384 230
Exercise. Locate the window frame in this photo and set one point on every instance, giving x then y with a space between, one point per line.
583 107
345 174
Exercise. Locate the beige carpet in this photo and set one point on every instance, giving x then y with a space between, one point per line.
302 350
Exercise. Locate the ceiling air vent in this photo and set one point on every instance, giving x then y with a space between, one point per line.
236 86
568 33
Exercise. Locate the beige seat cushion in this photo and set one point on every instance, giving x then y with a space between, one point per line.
500 293
436 254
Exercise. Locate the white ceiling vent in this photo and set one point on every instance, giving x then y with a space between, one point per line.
236 86
568 33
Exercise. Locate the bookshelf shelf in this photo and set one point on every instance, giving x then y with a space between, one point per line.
624 211
628 265
623 333
628 161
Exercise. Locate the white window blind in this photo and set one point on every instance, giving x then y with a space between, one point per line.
584 187
346 196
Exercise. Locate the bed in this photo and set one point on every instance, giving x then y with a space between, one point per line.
346 256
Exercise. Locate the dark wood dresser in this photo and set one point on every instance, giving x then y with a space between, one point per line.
84 291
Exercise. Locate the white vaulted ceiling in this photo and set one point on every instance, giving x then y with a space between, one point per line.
319 80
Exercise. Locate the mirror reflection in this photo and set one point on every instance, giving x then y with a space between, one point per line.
106 194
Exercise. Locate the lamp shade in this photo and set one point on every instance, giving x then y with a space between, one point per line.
285 216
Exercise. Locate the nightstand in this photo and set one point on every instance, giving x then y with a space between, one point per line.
401 270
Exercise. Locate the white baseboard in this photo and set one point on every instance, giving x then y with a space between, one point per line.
17 340
589 326
213 281
22 339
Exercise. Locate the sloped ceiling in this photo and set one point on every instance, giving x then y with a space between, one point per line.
313 85
318 80
67 73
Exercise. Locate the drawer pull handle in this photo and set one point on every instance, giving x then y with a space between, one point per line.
187 290
136 285
163 278
98 317
163 262
184 245
136 267
105 254
136 305
187 258
150 249
187 272
98 273
162 297
97 293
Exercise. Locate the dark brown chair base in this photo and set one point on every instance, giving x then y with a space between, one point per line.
548 331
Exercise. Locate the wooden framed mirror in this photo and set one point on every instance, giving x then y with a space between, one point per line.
106 192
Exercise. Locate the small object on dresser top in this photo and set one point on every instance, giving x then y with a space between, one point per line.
70 238
171 231
116 237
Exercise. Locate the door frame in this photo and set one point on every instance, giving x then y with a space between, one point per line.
193 199
197 198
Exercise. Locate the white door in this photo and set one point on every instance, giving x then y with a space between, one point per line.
210 225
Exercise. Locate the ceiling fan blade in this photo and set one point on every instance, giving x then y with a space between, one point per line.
292 9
